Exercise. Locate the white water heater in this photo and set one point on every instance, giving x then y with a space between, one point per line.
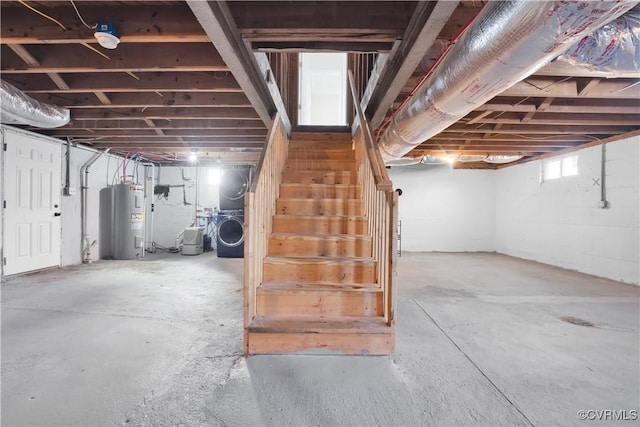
122 222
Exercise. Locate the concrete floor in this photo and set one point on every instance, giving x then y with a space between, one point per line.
480 341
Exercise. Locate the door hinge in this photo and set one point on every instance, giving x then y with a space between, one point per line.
4 204
4 261
4 146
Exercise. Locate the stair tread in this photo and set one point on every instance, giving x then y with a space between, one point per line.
320 324
319 185
321 236
316 259
355 199
319 218
318 287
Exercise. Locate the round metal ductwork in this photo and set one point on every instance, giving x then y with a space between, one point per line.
231 231
234 184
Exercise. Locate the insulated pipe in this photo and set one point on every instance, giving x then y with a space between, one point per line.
612 48
84 179
507 42
18 108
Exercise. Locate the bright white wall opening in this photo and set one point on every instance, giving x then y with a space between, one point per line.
323 89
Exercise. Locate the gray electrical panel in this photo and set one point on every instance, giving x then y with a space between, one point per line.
122 222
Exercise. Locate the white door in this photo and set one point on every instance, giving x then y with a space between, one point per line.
32 202
323 89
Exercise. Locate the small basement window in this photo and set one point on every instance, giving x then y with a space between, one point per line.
557 168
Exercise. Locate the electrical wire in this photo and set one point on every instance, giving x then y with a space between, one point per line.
82 20
60 24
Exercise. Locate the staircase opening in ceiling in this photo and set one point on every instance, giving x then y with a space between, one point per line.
323 89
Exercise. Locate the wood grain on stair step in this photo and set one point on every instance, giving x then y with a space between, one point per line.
319 324
319 177
320 191
329 343
318 270
307 224
334 245
321 137
320 206
294 299
316 154
322 165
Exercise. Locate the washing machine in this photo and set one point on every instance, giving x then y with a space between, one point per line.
234 183
230 234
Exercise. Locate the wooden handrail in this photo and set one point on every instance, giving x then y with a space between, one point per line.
377 164
380 205
259 208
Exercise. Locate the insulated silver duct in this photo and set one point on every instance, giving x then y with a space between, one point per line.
20 109
614 47
507 42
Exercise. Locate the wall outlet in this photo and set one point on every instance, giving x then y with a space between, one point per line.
69 191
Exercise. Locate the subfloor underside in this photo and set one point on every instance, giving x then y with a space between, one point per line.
482 339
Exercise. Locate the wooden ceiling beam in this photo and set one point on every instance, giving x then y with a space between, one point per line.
152 57
173 144
345 35
507 139
163 113
584 86
165 123
321 14
547 87
500 128
219 24
425 24
570 119
23 53
102 97
561 106
562 68
150 131
321 46
173 23
121 82
515 151
148 99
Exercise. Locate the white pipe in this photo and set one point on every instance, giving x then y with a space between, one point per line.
85 245
507 42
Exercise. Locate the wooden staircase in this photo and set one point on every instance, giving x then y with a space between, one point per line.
319 287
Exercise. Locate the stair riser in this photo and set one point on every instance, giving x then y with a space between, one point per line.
304 191
319 273
280 343
319 207
321 165
321 303
319 226
334 247
312 154
319 177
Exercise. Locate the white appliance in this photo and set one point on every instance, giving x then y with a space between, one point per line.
192 241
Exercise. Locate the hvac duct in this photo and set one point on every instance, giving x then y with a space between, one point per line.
612 48
507 42
19 109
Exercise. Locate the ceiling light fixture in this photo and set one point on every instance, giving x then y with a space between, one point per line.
193 156
107 35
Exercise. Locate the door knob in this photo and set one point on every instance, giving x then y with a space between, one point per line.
57 214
